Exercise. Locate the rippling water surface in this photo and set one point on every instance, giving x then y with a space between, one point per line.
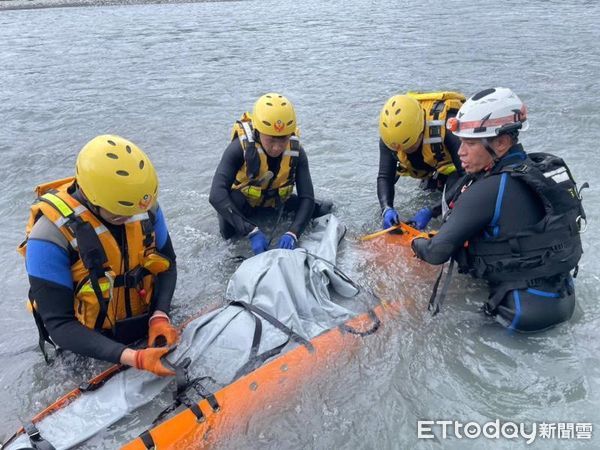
173 78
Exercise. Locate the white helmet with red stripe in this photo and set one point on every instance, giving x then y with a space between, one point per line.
490 113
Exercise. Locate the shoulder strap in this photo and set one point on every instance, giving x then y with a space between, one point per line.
89 247
250 152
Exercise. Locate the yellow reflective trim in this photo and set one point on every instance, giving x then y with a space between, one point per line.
286 191
59 204
447 170
254 192
88 289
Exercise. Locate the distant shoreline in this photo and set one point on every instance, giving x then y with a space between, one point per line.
6 5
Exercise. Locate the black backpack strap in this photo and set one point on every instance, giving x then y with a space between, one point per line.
94 258
35 438
250 152
436 301
43 335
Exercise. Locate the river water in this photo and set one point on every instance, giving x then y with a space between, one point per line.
174 77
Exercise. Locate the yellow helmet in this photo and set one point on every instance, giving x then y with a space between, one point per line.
273 114
401 122
116 175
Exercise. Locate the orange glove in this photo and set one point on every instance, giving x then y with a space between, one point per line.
149 359
160 326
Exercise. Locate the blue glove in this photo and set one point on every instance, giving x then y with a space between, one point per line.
258 241
390 217
422 218
288 241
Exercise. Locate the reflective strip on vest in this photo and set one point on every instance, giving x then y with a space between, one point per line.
99 230
88 289
293 153
434 140
285 192
254 192
59 204
447 170
247 131
435 123
77 212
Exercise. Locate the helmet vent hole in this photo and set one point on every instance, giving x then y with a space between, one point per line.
123 173
289 123
266 123
269 104
112 156
398 123
268 96
397 111
384 124
405 141
483 93
112 143
141 164
283 103
387 113
125 203
393 104
128 148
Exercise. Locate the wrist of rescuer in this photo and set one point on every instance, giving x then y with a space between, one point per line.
149 359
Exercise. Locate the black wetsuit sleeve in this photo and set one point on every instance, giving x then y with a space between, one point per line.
220 190
386 178
55 306
165 281
306 195
472 212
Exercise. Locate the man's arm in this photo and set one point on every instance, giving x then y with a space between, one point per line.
49 269
386 178
306 195
472 212
220 191
165 281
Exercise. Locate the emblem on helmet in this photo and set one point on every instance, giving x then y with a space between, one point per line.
145 202
278 126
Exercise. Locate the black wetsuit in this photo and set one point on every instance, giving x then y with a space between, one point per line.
56 307
388 166
234 210
477 211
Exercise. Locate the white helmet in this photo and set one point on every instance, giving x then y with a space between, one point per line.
490 113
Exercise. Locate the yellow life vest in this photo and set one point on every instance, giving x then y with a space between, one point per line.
435 154
109 285
259 189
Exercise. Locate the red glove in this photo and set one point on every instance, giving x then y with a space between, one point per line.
149 359
160 326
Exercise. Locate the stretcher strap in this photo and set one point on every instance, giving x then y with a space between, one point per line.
36 439
435 301
276 323
148 440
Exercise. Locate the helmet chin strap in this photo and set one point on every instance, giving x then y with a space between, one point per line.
80 195
491 151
